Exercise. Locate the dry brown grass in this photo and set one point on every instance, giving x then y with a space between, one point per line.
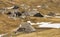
6 24
42 33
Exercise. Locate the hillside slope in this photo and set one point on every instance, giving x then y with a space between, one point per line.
7 24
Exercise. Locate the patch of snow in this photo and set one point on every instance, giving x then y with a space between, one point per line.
38 6
34 9
22 16
49 25
57 16
1 35
47 16
31 23
46 24
9 7
38 23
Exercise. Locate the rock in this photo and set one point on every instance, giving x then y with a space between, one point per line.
9 13
15 7
30 13
38 15
51 14
18 14
25 27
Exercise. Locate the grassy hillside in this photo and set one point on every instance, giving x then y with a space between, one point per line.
53 5
7 24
